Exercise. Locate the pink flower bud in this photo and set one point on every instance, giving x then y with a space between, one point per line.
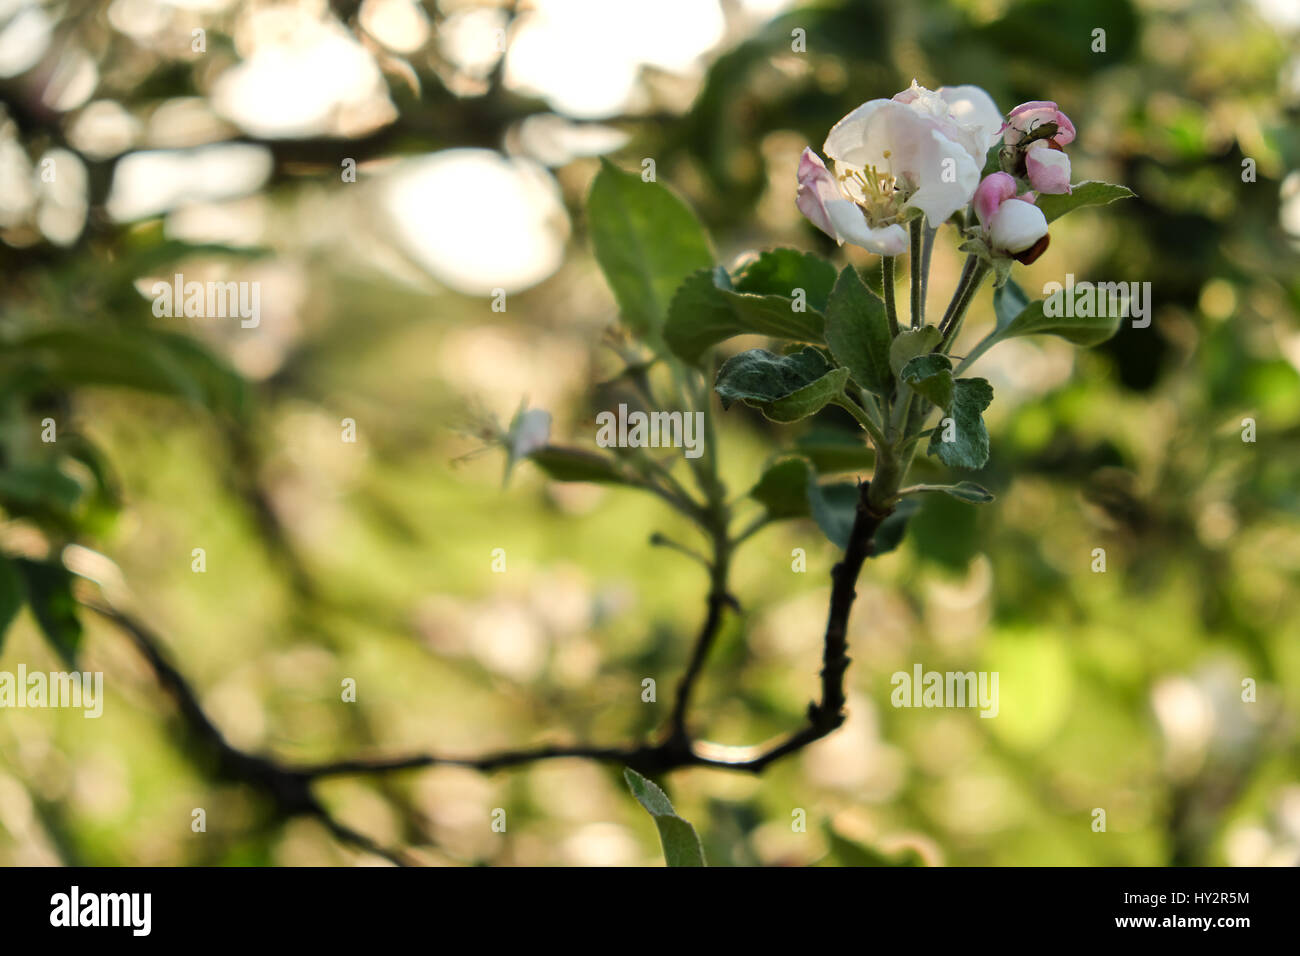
992 191
1027 117
1048 169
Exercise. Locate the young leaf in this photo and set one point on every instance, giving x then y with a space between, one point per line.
969 447
782 489
12 593
963 491
680 842
781 271
49 592
575 464
1091 193
857 332
1032 319
706 311
890 533
834 508
1009 300
832 450
911 343
1081 330
930 376
786 387
647 241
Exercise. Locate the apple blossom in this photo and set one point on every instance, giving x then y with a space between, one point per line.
921 151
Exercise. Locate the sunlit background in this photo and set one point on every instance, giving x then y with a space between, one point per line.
387 171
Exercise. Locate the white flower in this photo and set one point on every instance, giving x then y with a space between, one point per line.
912 151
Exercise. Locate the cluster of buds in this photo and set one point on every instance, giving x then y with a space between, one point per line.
1033 161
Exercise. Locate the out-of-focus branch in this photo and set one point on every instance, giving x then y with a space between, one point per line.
290 787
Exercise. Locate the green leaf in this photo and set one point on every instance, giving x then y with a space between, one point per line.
12 594
970 445
832 450
930 376
963 491
49 592
575 464
680 841
706 311
166 363
782 489
1091 193
39 489
1009 300
786 387
1032 319
782 271
857 332
911 343
1081 330
834 508
890 533
647 241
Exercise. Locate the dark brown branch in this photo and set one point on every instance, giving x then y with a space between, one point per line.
290 787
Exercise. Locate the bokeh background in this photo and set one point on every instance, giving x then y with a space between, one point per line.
475 130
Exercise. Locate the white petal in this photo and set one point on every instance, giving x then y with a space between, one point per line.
946 174
851 226
1016 226
844 143
971 106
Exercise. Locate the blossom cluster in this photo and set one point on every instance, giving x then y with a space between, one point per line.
924 153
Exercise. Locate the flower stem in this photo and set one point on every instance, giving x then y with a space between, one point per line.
967 268
964 296
917 265
887 290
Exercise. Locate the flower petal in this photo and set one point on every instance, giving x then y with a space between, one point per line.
992 192
1048 169
1016 226
971 106
816 186
851 226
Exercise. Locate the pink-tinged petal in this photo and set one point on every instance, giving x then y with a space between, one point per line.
1016 226
1048 169
992 192
1028 116
1065 134
816 186
852 226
